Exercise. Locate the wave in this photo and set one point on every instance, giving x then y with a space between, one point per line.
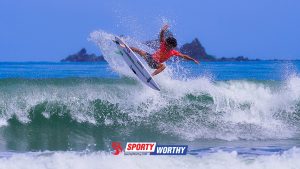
189 110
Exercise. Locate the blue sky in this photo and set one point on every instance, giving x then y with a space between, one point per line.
49 30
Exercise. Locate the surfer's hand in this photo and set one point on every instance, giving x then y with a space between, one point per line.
196 61
165 27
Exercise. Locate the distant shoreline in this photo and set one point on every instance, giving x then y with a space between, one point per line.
104 61
83 56
194 49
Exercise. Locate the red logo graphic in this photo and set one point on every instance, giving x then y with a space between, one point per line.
117 147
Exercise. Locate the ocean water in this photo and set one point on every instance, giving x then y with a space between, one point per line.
231 114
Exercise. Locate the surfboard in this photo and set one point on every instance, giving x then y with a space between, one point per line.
135 64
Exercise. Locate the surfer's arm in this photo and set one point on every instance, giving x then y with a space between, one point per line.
161 67
187 57
162 33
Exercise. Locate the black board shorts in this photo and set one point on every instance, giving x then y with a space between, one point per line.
151 62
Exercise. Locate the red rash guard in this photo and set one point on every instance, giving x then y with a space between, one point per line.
163 54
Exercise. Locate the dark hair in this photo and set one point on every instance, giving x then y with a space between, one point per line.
171 42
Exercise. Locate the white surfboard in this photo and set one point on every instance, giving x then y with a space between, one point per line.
135 64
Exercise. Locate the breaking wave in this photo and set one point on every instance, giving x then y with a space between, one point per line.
189 110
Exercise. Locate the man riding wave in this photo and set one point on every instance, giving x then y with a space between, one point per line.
165 52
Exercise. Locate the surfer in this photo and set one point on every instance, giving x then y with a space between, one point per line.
165 52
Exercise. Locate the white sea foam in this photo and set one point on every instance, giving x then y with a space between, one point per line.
219 160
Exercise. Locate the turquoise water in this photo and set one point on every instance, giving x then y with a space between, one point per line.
224 102
255 70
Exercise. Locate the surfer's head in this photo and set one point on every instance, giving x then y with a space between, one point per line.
171 42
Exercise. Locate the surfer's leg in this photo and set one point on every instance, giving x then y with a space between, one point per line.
148 57
160 68
139 51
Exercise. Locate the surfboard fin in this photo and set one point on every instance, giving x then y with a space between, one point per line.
149 79
116 42
132 70
119 52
